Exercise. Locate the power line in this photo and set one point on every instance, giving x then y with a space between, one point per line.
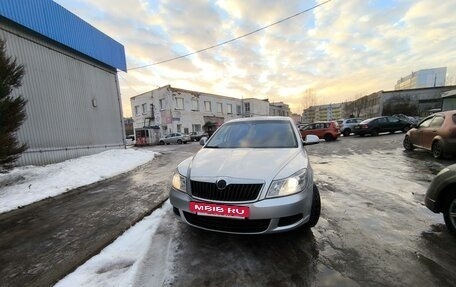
233 39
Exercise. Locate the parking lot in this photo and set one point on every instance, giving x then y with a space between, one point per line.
374 230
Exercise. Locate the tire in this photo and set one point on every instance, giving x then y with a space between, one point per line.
185 142
406 129
407 143
346 132
374 132
328 137
179 141
161 143
449 212
361 135
437 149
315 210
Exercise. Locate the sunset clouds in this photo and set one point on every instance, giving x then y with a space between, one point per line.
340 50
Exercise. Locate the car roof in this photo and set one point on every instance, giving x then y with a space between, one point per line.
255 119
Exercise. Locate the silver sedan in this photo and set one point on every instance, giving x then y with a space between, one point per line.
174 138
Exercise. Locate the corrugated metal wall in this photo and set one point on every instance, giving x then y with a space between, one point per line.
61 89
55 22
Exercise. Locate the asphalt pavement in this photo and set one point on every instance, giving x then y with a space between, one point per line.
44 241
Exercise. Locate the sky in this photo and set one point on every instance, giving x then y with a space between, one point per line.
340 51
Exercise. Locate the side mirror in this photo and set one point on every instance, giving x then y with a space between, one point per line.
311 139
203 141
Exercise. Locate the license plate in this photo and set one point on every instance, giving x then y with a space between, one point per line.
219 209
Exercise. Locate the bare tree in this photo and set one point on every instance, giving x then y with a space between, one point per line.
309 99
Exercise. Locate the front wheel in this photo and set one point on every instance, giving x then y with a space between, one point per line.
161 142
316 208
449 212
437 149
179 141
405 129
328 137
407 143
346 132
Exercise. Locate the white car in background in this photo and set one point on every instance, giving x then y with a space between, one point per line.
174 138
252 176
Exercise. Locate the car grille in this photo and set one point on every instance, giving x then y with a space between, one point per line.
232 192
228 224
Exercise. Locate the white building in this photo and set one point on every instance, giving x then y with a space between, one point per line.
279 109
423 79
169 110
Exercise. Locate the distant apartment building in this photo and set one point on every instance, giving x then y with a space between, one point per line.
279 109
423 79
167 110
329 112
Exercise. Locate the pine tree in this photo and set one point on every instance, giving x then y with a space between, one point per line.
12 110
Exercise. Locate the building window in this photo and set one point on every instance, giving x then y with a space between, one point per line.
179 127
219 108
247 108
195 106
207 106
144 109
179 103
196 128
238 109
229 108
136 110
162 104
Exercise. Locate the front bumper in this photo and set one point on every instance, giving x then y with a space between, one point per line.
266 216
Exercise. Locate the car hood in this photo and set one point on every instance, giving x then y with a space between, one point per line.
260 164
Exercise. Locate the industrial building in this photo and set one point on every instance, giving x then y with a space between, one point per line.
70 81
425 78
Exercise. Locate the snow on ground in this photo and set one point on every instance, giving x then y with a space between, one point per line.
28 184
116 264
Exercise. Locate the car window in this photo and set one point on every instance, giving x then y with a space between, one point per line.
437 122
254 134
393 120
382 120
425 123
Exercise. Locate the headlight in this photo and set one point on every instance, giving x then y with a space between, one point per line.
288 186
179 182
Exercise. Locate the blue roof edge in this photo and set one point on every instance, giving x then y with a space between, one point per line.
51 20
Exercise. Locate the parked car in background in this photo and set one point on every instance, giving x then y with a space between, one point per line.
329 131
252 176
174 138
441 196
374 126
436 133
196 136
346 126
412 120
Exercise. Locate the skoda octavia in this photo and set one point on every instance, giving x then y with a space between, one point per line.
252 176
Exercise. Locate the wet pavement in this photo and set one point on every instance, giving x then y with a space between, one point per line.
43 242
374 230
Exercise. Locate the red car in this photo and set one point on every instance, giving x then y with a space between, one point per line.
436 133
329 131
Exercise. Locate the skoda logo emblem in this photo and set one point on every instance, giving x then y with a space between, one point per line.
221 184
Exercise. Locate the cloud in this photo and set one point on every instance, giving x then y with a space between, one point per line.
340 50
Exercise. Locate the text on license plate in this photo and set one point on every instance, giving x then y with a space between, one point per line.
220 209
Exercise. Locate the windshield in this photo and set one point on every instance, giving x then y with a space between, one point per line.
254 134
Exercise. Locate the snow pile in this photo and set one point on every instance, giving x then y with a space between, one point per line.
116 264
25 185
